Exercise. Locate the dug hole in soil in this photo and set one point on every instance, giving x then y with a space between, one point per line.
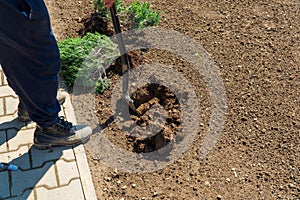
256 46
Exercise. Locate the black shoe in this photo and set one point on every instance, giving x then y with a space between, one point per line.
23 113
62 133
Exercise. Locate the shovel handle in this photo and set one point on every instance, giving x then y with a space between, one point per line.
124 55
121 43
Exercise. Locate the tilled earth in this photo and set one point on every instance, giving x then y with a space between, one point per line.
256 46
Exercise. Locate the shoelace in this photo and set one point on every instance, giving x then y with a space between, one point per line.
64 123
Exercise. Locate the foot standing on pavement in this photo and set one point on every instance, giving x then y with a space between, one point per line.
30 59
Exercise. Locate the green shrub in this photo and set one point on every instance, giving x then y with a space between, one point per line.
143 15
83 59
136 15
102 85
99 7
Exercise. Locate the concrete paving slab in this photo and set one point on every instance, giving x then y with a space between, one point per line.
70 167
10 122
17 138
4 188
72 191
11 104
23 180
23 159
38 157
6 91
27 195
1 77
3 145
4 81
58 173
1 106
87 182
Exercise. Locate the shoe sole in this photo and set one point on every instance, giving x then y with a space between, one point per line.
50 146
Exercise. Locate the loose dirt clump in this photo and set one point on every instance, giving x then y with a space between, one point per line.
145 99
97 22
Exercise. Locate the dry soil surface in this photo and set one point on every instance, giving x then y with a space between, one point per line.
255 44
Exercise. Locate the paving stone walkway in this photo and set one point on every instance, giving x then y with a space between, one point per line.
59 173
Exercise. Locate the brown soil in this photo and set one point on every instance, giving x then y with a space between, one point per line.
256 46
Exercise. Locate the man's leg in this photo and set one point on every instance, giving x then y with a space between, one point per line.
30 59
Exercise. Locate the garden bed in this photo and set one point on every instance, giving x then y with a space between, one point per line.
257 156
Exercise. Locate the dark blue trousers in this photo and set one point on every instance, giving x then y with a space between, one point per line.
30 58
